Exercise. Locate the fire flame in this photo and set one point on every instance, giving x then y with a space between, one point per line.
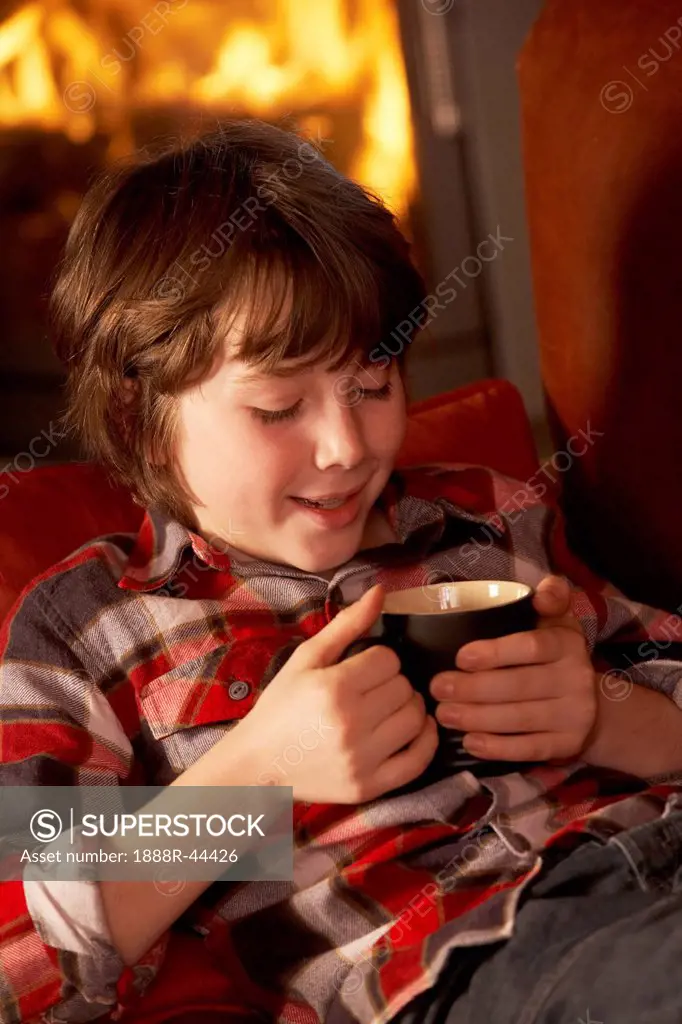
81 75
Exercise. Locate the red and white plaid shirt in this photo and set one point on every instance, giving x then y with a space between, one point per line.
129 659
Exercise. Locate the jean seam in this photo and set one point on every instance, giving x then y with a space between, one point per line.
626 852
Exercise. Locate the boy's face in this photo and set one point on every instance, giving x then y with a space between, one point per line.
340 433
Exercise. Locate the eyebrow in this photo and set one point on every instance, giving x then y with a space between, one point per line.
258 376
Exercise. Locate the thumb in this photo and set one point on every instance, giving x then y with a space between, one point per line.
327 646
552 597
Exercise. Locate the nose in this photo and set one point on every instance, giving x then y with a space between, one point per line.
339 437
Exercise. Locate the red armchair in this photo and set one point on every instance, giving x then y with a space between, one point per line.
601 98
51 510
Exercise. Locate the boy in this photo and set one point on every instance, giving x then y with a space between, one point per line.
219 310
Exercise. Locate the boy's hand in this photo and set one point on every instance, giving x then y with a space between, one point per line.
335 732
540 685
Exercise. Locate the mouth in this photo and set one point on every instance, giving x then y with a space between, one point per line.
327 501
332 511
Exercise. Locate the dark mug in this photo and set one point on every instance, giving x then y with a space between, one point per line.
426 626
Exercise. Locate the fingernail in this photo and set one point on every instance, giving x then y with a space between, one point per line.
451 716
468 659
444 689
473 745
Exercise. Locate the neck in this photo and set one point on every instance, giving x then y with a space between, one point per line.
377 531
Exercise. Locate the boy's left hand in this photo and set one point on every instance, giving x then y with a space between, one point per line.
540 685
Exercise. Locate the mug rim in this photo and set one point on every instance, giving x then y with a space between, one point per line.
530 592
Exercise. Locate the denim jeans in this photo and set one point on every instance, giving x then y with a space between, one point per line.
597 938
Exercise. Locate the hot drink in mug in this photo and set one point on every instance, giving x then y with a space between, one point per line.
426 626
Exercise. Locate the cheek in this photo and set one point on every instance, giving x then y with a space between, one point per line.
385 426
224 457
205 447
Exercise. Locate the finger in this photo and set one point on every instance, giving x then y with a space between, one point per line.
552 597
349 624
400 728
516 716
564 621
534 746
385 699
498 685
533 647
369 669
406 765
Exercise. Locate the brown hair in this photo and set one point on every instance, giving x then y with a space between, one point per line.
166 250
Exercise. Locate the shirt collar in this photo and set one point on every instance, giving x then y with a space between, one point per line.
411 500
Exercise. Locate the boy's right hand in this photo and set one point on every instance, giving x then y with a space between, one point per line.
335 732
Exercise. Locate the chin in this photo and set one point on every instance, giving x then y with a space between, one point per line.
308 564
336 554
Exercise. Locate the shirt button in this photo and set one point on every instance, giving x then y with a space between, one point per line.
238 689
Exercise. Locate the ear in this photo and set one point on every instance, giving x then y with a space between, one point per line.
129 394
130 390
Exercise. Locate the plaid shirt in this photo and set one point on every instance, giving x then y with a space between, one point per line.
129 659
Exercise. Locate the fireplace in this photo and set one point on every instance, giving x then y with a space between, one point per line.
84 82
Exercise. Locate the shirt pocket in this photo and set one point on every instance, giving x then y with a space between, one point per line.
188 709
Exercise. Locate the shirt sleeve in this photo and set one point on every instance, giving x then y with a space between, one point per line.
629 640
58 962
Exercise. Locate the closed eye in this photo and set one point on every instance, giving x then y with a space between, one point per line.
278 415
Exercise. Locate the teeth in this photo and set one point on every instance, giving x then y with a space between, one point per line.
336 503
